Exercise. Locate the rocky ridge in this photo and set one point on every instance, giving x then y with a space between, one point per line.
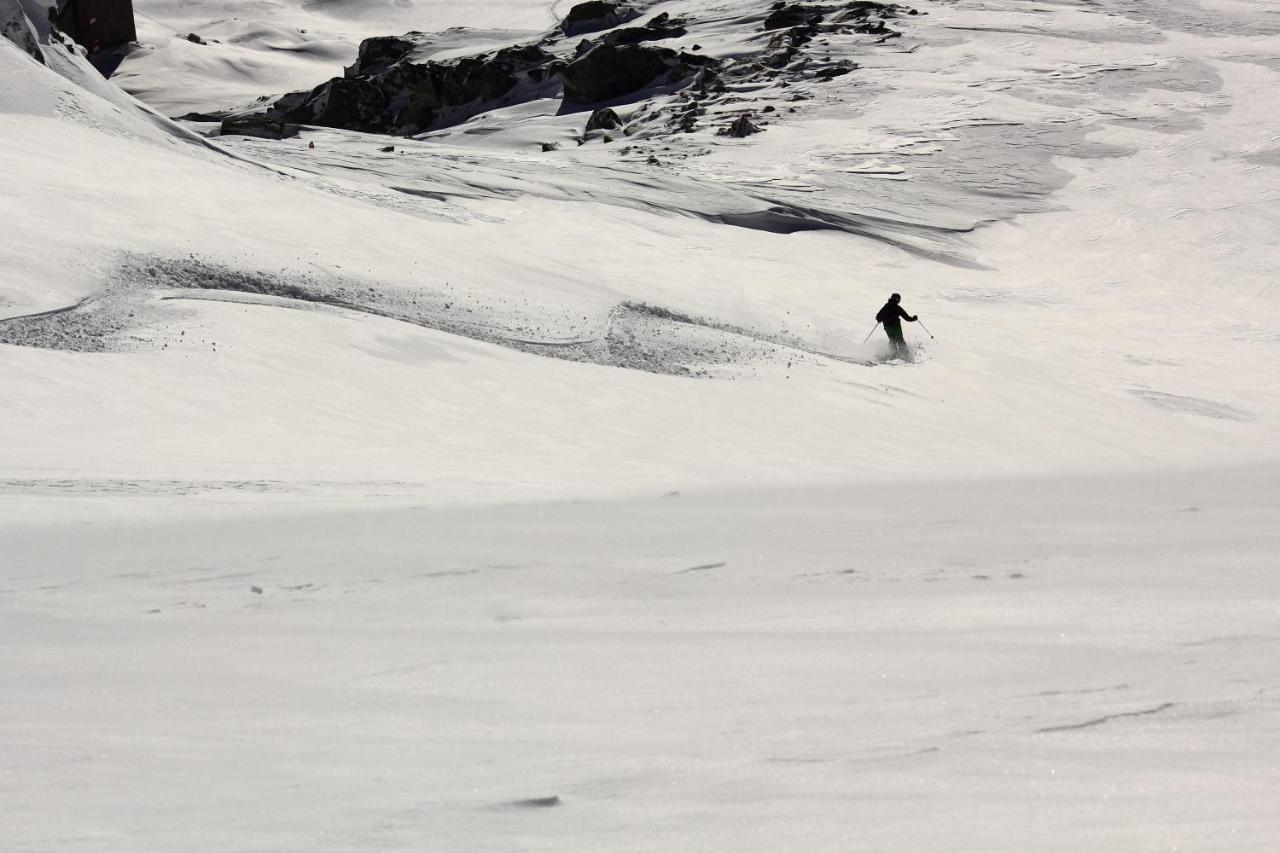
391 90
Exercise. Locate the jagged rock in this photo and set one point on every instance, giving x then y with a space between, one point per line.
195 39
866 8
782 58
794 15
258 126
708 82
387 149
661 27
596 15
550 146
352 104
741 127
17 28
603 119
869 17
378 54
793 38
608 72
410 97
824 74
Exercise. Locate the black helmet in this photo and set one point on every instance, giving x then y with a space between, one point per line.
897 297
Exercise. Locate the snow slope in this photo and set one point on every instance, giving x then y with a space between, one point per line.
264 48
1051 665
330 477
1122 325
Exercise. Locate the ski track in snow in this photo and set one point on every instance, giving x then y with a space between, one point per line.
631 336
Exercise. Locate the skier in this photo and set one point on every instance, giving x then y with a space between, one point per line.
892 315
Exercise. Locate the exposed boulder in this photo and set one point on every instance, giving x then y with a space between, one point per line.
741 127
596 15
258 126
603 119
607 72
833 71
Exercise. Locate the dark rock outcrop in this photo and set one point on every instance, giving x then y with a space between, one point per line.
351 104
866 8
864 15
603 119
596 15
259 126
386 92
607 72
833 71
378 54
661 27
741 127
793 15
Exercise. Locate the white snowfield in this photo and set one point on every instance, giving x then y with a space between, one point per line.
476 496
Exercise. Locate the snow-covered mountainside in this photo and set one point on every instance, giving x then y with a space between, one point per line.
527 267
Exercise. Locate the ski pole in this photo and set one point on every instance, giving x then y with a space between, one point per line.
870 333
923 326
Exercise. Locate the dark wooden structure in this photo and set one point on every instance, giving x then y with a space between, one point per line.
97 24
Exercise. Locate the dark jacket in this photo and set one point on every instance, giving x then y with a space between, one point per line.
892 315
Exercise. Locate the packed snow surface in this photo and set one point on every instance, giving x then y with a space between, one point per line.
521 487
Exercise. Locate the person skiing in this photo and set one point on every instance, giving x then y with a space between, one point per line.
891 317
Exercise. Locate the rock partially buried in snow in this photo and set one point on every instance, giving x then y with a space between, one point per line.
596 15
741 127
794 15
258 126
603 119
538 802
661 27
